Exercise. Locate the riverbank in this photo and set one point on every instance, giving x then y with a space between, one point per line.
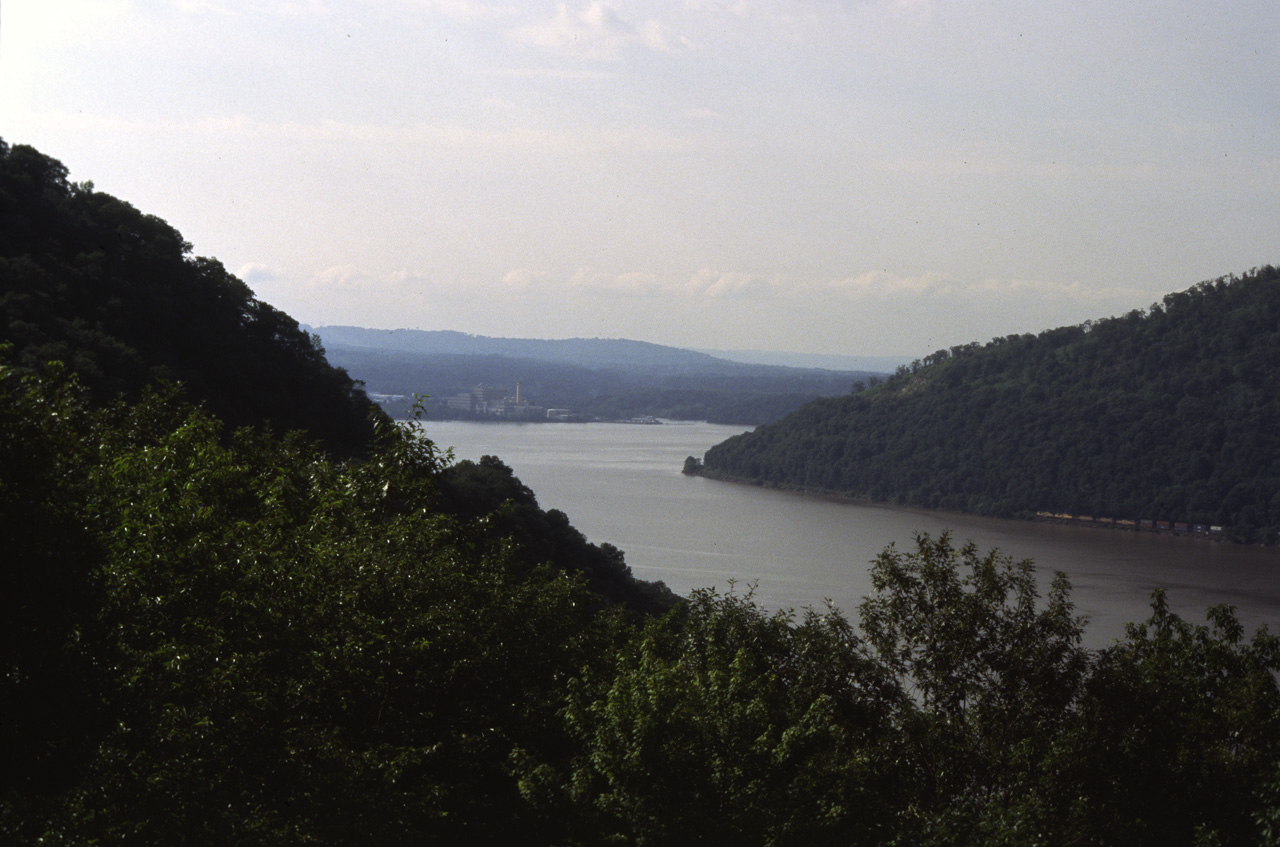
1177 529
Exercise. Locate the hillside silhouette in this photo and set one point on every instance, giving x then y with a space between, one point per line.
116 296
112 295
216 635
1165 414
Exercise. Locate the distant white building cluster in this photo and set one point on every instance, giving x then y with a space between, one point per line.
494 401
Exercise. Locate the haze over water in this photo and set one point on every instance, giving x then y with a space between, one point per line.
621 484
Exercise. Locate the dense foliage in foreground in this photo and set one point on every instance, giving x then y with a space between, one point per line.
230 638
1168 414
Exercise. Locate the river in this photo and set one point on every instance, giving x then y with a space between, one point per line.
621 483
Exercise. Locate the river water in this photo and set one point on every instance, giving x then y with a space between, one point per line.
621 483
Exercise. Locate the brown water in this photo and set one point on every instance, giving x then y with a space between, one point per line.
622 484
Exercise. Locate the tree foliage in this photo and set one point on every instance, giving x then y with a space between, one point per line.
280 648
1162 415
222 637
115 294
219 634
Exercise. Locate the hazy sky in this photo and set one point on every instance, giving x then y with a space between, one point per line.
878 177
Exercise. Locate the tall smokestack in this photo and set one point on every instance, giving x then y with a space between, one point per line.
518 388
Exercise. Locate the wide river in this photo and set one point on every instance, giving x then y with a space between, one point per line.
621 483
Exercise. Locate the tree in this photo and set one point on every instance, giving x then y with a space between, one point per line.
1178 732
1013 734
982 675
283 649
115 295
727 723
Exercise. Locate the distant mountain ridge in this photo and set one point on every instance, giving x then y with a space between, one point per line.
595 353
1170 414
594 377
827 361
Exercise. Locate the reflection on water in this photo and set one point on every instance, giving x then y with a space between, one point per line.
622 484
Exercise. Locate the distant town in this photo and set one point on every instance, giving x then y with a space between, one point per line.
490 402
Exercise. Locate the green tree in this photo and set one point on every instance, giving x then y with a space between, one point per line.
725 723
115 295
1178 732
284 649
983 676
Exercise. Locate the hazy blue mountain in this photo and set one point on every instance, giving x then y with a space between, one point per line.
595 377
828 361
594 353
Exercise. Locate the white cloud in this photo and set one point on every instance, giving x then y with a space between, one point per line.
596 32
588 278
1054 290
998 165
558 73
637 282
657 36
734 7
711 283
630 283
340 279
258 8
253 274
461 9
513 142
882 284
702 113
585 281
195 7
521 279
37 25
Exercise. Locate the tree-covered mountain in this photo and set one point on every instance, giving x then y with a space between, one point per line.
217 635
606 378
1172 413
115 295
240 641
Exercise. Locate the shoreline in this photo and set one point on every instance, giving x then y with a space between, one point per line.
1175 529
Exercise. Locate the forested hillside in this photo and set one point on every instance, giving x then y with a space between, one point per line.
1166 414
223 635
91 285
239 641
115 295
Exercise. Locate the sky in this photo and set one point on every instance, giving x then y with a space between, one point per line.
844 177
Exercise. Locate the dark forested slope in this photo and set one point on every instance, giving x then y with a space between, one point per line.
1168 414
114 294
268 647
214 637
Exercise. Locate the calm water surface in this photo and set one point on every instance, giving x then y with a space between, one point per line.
621 483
